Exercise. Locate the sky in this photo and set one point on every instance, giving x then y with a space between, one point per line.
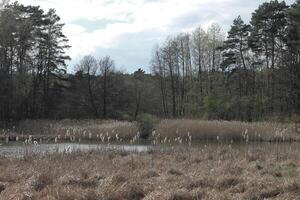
128 30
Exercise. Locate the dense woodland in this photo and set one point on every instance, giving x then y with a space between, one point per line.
251 73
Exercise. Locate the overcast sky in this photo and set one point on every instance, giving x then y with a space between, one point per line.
127 30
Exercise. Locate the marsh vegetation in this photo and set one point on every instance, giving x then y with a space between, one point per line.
213 172
216 116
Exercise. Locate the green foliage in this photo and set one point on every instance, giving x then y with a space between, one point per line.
147 124
215 106
236 45
125 116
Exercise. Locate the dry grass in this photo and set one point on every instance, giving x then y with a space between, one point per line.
225 130
167 131
208 173
76 129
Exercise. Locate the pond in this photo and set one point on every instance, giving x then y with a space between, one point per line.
17 149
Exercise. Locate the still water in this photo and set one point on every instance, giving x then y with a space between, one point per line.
16 149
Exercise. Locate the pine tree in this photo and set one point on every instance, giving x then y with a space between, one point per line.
268 33
293 42
236 46
52 46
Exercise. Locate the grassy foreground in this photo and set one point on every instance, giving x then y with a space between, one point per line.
210 173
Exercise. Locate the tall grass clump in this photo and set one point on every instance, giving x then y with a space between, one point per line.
226 130
89 129
147 123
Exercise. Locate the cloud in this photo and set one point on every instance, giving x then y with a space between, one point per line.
128 29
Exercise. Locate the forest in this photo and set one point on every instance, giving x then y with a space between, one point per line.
250 73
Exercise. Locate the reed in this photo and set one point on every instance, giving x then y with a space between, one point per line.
79 129
226 130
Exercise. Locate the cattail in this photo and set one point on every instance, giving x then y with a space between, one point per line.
68 133
68 149
153 133
180 140
165 140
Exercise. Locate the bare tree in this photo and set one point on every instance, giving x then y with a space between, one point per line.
215 38
199 47
160 70
88 67
139 79
107 67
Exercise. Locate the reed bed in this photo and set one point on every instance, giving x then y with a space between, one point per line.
75 129
166 131
226 130
208 173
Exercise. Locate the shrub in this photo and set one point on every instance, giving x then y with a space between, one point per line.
228 182
135 193
147 124
41 182
181 195
82 183
2 187
175 172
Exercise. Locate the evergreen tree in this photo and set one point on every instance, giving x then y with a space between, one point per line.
268 32
293 42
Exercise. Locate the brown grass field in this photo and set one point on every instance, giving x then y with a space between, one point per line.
213 172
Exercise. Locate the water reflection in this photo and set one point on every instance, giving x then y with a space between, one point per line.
19 149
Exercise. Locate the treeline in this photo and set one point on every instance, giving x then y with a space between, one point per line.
32 57
252 73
